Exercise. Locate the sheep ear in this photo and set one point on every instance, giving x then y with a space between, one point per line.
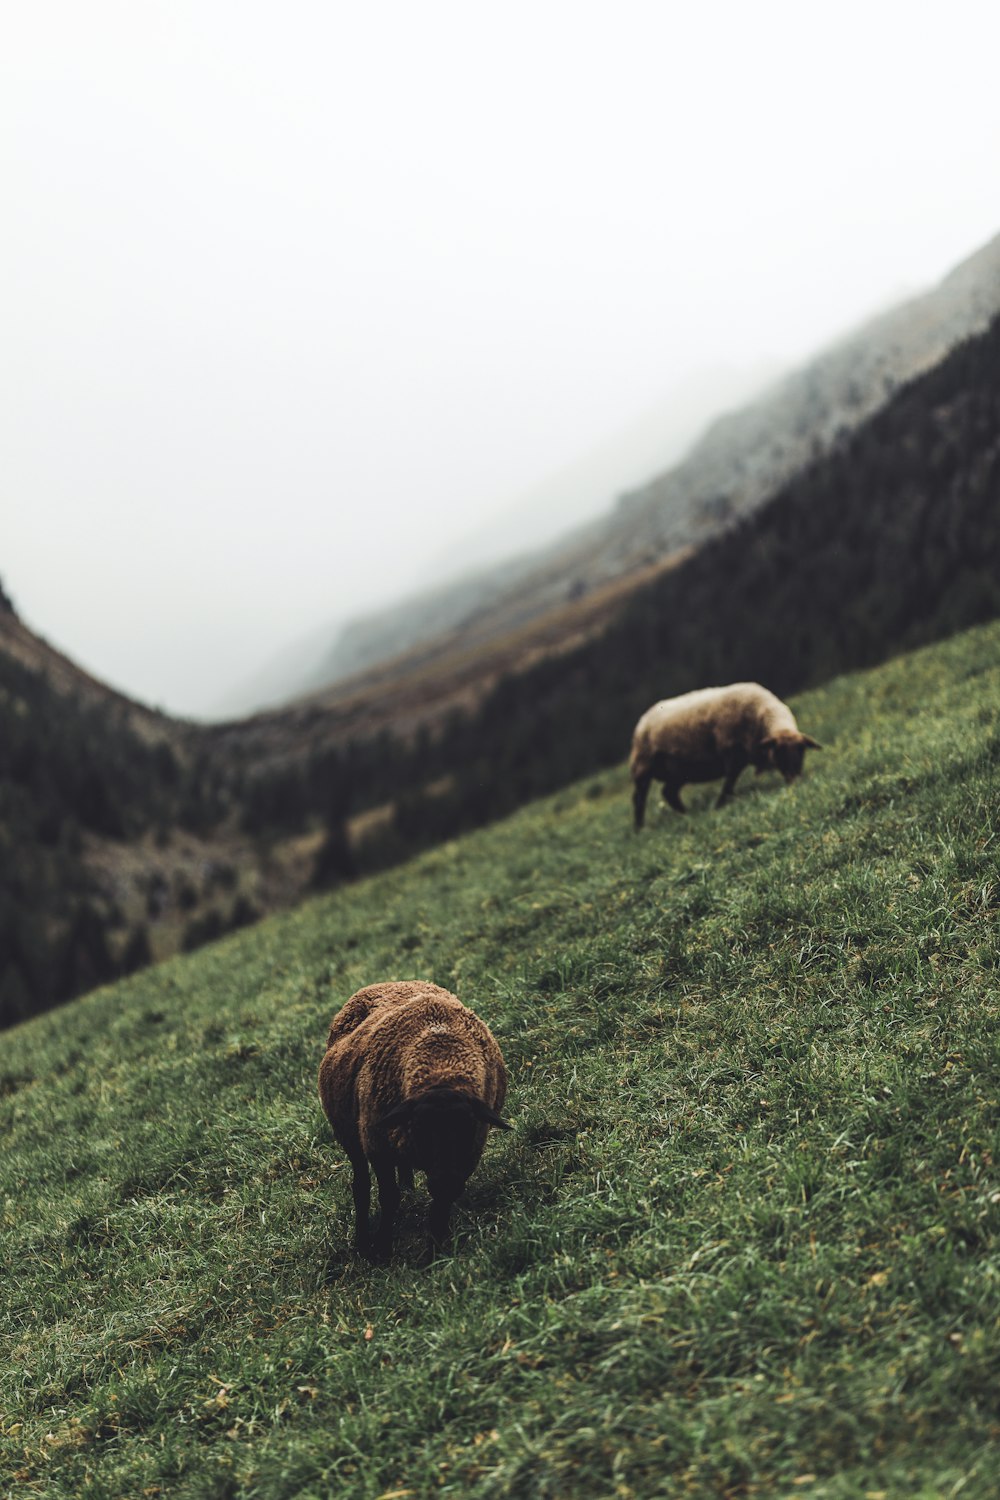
398 1115
489 1116
767 744
808 743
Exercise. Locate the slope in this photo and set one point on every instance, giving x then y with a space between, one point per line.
743 1238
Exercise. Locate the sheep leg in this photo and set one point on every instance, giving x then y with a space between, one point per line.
388 1204
734 765
672 795
727 787
361 1186
439 1218
640 791
405 1175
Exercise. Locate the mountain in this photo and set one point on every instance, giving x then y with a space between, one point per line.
730 470
744 455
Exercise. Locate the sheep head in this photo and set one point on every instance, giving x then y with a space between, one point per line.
786 752
444 1131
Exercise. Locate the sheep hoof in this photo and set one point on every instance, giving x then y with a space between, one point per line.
370 1248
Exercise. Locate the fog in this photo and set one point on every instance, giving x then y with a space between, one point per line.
299 300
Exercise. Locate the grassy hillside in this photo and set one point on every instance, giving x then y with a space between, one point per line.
743 1239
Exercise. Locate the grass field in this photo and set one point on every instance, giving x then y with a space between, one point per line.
742 1240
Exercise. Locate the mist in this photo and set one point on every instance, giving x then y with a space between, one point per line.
298 305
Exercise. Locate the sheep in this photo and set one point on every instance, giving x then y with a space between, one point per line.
411 1080
710 733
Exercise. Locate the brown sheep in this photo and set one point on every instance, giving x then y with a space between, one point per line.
710 733
411 1081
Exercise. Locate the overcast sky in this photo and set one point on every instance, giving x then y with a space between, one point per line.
294 295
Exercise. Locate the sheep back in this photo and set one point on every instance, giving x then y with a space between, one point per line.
700 728
394 1041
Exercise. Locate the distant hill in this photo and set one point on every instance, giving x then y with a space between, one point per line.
745 455
735 465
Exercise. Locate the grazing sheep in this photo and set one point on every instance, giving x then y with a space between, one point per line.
710 733
411 1080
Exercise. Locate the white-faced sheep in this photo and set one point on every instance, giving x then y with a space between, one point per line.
713 732
411 1081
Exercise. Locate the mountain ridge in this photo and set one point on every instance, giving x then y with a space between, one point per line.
741 458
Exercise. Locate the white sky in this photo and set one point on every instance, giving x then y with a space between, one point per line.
293 295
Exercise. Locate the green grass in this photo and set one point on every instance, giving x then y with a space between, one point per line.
743 1239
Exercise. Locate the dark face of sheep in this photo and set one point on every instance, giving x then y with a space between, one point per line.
786 753
446 1130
